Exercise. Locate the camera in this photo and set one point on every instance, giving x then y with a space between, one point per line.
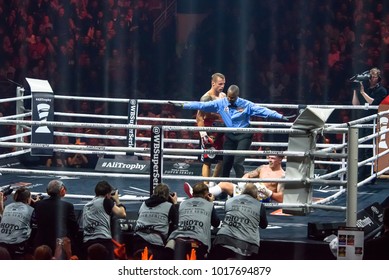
6 190
59 241
365 76
37 196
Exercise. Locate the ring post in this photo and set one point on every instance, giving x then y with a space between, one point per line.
42 106
352 177
302 168
19 106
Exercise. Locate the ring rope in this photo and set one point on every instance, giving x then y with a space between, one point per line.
77 124
146 149
16 136
234 130
100 149
148 101
91 116
73 173
89 98
173 177
4 100
75 147
166 128
17 153
16 116
334 173
87 135
175 120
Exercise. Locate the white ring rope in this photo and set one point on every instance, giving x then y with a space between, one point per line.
90 135
165 127
5 100
234 130
29 114
13 154
89 98
171 120
72 173
148 101
16 136
168 150
173 177
77 124
72 115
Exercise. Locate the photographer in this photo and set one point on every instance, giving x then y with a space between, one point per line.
16 223
196 216
371 92
97 215
158 217
374 92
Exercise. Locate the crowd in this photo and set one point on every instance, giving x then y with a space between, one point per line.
304 53
306 50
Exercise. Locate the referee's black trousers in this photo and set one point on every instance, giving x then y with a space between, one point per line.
235 141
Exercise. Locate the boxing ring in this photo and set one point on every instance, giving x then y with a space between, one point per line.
327 196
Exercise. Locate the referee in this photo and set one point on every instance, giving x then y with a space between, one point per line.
236 113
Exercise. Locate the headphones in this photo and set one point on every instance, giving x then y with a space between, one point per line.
377 72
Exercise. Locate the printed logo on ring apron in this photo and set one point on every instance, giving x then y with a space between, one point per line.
132 115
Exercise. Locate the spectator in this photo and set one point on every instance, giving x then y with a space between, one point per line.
238 236
195 218
43 252
4 254
78 159
54 217
97 215
59 159
63 249
97 251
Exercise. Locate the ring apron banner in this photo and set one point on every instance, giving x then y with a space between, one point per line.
42 110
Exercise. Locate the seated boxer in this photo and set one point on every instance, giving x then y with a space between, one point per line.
267 191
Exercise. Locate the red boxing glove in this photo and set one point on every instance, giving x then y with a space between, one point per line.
206 141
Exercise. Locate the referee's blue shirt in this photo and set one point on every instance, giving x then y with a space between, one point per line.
237 115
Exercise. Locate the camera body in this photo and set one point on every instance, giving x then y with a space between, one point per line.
113 191
37 196
6 190
362 77
60 241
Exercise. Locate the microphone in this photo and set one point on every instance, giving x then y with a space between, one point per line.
13 82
